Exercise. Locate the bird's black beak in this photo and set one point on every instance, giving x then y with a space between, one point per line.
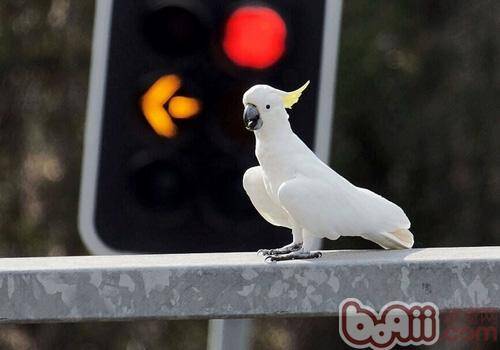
251 118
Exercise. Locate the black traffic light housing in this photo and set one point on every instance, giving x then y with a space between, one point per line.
182 191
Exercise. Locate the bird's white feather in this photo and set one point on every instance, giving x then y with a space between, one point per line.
293 187
253 183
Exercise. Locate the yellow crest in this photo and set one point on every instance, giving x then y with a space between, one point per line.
291 98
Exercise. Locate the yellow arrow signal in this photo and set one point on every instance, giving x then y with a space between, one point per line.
181 107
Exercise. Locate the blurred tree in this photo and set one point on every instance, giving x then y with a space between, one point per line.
44 65
417 113
44 59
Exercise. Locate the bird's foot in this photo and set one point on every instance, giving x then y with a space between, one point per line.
293 256
289 248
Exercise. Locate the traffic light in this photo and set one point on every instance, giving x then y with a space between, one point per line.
165 145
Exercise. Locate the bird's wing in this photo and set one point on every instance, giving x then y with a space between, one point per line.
390 215
399 239
310 204
253 183
327 209
392 220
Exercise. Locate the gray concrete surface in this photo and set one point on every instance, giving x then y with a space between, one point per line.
242 285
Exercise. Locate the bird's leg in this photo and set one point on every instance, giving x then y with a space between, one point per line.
296 245
299 254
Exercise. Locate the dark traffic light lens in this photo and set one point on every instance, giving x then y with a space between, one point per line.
158 185
175 30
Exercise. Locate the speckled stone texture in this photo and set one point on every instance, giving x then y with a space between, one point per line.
242 285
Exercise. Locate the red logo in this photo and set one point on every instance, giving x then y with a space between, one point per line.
397 324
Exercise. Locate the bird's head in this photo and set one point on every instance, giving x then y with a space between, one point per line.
265 104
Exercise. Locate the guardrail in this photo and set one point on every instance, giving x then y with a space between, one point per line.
242 285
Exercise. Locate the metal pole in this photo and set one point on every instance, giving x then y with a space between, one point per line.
229 334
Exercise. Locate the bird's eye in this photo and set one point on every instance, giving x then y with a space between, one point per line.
268 106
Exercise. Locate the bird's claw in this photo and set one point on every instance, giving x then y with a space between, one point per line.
264 252
293 256
269 258
281 251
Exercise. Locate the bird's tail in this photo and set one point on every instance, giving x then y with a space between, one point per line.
399 239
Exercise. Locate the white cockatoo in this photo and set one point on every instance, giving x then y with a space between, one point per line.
293 188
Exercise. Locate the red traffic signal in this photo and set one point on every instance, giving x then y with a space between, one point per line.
255 37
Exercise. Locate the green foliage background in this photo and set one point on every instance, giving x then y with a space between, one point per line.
417 120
